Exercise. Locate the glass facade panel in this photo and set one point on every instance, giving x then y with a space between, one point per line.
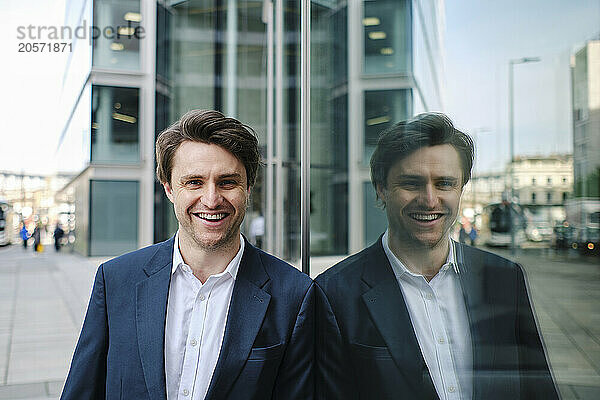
329 133
113 217
212 54
387 36
374 215
383 108
115 132
117 34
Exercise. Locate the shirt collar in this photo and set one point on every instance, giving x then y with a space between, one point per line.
399 267
232 268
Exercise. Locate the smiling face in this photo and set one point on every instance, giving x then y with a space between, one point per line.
208 189
422 196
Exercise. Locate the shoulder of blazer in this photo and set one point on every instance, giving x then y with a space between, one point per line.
277 270
149 259
472 257
350 268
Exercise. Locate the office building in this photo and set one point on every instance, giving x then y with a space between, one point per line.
373 63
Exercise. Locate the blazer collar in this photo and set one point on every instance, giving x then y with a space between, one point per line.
249 303
151 311
389 314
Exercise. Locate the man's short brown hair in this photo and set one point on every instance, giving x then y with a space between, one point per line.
210 127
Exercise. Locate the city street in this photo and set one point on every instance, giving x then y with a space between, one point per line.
43 299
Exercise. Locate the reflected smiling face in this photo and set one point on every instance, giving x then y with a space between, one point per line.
422 196
208 189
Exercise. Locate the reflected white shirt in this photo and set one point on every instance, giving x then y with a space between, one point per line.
439 318
195 325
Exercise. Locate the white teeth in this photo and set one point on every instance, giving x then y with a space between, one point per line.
211 217
426 217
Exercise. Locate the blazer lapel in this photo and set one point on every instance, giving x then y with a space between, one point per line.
389 314
249 303
151 311
477 288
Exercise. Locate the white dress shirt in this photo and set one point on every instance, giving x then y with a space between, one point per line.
196 317
439 318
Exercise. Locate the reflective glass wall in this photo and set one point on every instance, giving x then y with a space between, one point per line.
212 54
117 34
115 132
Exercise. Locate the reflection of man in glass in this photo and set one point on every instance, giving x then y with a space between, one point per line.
203 315
417 315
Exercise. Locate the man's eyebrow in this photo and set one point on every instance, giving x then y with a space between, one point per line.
447 178
191 176
232 175
410 177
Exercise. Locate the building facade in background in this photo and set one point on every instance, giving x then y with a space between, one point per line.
585 83
373 63
543 184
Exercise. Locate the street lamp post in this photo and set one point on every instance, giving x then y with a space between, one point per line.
511 64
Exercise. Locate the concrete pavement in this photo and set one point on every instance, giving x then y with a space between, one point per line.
43 298
42 303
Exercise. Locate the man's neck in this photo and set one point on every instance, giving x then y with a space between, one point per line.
205 262
426 261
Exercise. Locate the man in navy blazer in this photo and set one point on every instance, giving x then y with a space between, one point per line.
417 315
204 315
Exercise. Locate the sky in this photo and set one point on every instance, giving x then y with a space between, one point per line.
480 37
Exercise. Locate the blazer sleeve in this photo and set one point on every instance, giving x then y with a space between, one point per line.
535 377
295 379
87 376
333 378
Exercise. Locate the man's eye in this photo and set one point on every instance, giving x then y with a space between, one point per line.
446 184
194 182
228 183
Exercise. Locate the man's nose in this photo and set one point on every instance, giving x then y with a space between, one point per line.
429 197
211 197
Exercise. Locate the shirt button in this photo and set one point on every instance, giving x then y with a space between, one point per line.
451 389
441 340
193 342
186 392
202 298
428 296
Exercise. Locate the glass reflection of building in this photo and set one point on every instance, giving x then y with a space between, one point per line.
373 63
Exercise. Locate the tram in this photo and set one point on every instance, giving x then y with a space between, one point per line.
497 219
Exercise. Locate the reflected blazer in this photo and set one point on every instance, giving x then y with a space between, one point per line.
267 350
367 348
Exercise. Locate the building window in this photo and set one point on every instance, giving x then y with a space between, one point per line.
564 196
383 108
115 128
533 181
564 179
549 197
119 46
532 198
387 36
113 217
549 180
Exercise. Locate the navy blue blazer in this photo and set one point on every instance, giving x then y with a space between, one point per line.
268 345
366 347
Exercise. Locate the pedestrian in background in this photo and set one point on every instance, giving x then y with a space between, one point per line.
37 237
58 235
24 235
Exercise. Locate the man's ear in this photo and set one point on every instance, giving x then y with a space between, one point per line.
168 191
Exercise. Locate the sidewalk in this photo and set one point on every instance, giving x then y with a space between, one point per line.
43 298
